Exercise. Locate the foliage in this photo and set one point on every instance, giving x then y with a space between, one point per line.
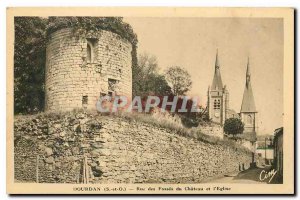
190 121
233 126
179 79
193 119
29 64
112 24
147 80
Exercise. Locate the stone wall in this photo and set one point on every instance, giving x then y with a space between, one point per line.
25 160
116 150
72 72
212 129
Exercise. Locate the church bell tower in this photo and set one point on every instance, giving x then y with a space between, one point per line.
248 112
218 97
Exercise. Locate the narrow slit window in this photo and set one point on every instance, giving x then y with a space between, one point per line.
249 119
89 53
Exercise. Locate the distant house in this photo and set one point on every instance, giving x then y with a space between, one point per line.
265 150
266 153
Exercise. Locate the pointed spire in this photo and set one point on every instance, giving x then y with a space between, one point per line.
248 67
217 81
217 64
248 104
248 75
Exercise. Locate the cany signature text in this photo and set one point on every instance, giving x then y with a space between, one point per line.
265 175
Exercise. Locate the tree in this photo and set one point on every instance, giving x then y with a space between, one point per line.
29 64
233 126
146 80
179 79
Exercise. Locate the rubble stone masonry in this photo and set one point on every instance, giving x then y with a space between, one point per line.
80 148
80 66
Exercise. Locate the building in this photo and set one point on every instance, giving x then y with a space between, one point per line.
82 66
248 111
265 151
218 97
219 111
278 151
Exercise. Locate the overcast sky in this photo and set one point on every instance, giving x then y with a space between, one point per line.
192 42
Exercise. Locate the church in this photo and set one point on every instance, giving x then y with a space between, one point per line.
218 103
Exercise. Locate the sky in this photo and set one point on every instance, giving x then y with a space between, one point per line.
192 43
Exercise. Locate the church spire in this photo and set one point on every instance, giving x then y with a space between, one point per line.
248 75
217 60
217 81
248 104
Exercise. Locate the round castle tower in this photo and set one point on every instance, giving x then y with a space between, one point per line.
81 67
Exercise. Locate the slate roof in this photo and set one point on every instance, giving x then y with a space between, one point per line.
217 80
248 104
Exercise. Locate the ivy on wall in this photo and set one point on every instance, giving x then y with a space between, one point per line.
112 24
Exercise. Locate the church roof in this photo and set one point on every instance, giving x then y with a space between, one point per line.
250 136
248 104
217 81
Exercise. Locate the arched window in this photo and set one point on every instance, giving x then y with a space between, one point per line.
249 119
89 53
91 50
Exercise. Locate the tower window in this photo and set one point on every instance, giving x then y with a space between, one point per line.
217 104
112 87
112 84
249 119
84 100
110 94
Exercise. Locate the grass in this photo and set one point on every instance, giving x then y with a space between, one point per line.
159 121
178 129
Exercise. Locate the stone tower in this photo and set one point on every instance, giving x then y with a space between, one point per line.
248 112
81 67
218 97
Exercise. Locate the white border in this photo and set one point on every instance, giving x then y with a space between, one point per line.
185 3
